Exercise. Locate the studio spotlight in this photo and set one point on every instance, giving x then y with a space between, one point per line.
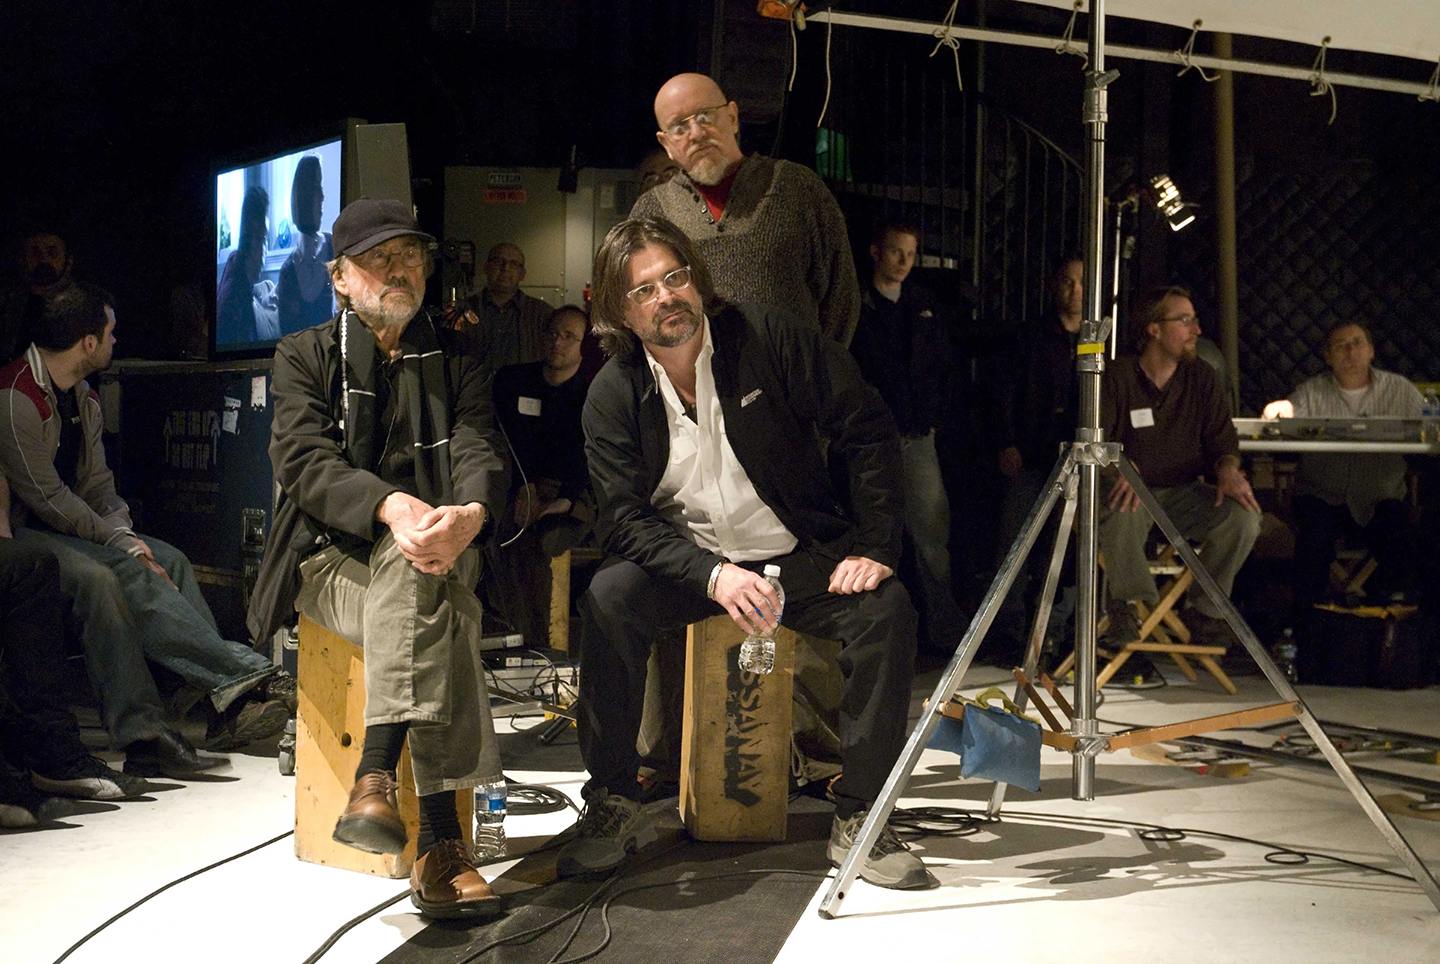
1167 199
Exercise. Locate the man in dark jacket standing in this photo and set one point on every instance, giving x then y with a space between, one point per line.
1036 403
701 439
385 452
903 349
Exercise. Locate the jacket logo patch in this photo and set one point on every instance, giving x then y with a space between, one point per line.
750 397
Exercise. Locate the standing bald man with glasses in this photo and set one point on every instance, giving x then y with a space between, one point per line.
700 434
769 229
389 468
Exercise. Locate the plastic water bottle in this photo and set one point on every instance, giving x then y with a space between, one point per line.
1284 653
757 653
490 820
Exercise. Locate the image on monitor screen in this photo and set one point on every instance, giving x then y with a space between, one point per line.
272 225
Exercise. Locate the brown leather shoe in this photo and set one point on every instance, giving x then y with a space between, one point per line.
445 883
371 821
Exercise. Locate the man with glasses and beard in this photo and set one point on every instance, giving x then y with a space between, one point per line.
389 468
1170 412
769 229
701 436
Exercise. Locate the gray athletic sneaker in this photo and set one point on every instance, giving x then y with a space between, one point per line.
89 778
611 827
891 864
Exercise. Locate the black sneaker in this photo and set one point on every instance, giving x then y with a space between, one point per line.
611 827
89 778
245 722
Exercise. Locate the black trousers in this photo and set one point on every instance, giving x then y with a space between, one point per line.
626 609
37 726
1320 525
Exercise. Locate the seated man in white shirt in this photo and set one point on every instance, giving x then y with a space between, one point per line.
700 435
1359 493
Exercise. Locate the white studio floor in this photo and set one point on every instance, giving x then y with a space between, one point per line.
1026 890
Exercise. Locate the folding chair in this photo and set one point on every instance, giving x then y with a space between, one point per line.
1161 629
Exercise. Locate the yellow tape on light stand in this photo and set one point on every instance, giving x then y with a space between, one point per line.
1090 348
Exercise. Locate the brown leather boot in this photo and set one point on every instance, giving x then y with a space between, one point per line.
371 821
445 883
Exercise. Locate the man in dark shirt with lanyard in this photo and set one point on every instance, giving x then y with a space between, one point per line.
550 508
1170 413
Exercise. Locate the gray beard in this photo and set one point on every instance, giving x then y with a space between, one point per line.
708 172
661 339
378 313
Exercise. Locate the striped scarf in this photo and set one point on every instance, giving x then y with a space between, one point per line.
423 393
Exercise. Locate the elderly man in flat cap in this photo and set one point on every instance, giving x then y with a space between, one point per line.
386 455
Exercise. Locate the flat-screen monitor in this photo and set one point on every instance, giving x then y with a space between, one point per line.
272 239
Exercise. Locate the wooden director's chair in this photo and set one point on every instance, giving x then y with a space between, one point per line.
1161 629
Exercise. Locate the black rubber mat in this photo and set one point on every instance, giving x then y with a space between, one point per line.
526 750
678 901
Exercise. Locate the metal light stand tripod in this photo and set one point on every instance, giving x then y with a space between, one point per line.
1075 476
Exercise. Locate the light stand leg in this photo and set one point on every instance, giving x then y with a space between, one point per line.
1277 679
1042 619
949 683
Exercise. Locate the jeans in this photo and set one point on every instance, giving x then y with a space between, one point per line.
127 615
927 527
1228 531
626 609
421 636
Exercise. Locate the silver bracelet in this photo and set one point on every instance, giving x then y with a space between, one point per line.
714 577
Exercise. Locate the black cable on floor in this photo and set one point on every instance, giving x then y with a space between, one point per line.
160 890
525 799
352 923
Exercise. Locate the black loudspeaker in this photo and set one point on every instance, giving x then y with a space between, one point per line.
380 165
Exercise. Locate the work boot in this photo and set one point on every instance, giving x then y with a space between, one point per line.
444 883
1209 630
371 821
244 722
1124 624
280 686
890 864
611 827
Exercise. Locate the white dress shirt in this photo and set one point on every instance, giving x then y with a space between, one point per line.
704 492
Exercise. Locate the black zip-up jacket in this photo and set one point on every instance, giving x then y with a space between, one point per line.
778 381
903 349
1036 396
322 497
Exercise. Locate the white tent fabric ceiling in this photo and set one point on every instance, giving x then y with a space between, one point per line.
1401 28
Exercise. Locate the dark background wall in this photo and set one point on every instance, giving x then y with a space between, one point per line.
117 114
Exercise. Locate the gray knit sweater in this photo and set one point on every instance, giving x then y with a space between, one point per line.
781 241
